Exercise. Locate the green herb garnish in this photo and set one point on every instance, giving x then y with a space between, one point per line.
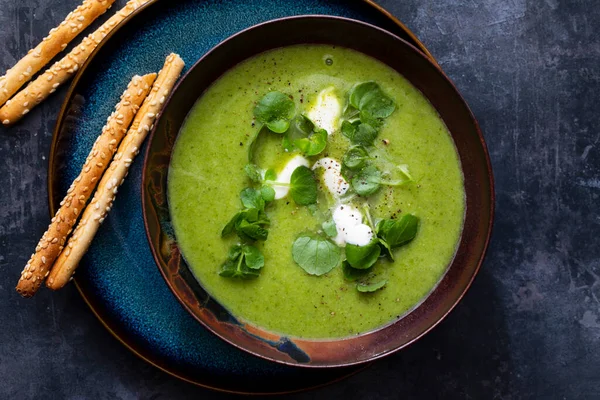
355 158
249 224
352 274
315 255
367 181
268 193
395 233
313 144
303 186
359 133
253 172
329 228
270 175
371 101
275 110
243 262
303 136
370 287
363 257
252 198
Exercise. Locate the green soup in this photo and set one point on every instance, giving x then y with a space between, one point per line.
207 174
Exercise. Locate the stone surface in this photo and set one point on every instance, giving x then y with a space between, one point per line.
530 325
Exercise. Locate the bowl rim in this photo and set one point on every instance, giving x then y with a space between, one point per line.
452 304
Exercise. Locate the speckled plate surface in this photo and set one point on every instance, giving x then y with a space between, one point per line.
118 278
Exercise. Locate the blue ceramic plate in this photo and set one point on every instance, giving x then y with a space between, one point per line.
119 278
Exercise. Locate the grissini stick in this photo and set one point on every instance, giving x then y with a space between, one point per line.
51 45
96 211
62 70
53 240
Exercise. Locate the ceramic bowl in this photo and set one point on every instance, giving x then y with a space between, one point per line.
442 94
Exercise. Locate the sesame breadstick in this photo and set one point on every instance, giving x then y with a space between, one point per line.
51 45
52 242
61 71
96 211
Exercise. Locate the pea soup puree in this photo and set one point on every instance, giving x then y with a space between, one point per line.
315 193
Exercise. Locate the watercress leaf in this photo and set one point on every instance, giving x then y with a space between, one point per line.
252 198
366 181
300 128
231 269
377 104
253 173
234 252
373 103
228 229
270 175
278 126
263 219
275 110
355 158
303 186
228 269
268 193
363 257
398 232
329 228
303 124
251 230
249 214
358 92
349 112
352 274
314 144
248 273
315 255
349 129
370 287
365 135
386 249
253 257
347 173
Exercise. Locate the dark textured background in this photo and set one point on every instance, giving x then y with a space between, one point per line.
528 328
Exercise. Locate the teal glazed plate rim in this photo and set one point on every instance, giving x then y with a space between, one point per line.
159 331
423 74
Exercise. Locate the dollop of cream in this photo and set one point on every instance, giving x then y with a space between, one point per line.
332 176
326 111
286 174
350 229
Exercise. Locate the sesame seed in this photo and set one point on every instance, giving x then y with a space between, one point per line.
6 122
43 260
25 111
